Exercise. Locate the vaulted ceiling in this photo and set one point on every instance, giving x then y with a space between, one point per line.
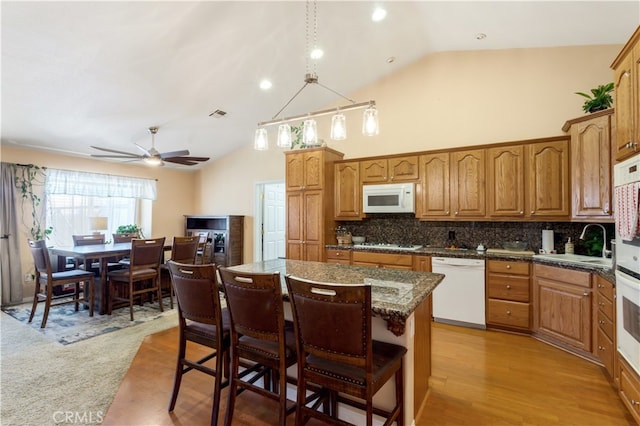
76 74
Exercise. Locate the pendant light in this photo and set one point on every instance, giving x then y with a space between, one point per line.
261 140
338 127
309 132
284 136
370 126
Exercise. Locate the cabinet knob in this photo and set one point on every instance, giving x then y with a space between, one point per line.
391 177
533 211
508 312
600 322
338 254
521 212
585 294
447 212
600 286
634 402
600 304
601 348
456 213
508 266
508 287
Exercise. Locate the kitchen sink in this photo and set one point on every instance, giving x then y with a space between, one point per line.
577 258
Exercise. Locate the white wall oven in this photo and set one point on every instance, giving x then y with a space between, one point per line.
627 194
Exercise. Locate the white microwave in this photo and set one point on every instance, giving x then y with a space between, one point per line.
388 198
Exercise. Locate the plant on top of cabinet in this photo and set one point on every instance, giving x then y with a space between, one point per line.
599 99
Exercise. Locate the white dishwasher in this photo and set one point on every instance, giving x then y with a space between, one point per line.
459 298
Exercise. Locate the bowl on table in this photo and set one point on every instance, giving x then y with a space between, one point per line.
358 240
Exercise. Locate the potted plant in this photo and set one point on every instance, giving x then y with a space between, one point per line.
130 229
599 99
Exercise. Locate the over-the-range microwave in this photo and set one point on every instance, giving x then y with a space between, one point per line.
388 198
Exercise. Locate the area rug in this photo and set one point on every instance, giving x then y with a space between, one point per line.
67 326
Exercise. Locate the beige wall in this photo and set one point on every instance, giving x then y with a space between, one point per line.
176 191
442 100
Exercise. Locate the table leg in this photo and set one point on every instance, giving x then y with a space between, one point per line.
104 288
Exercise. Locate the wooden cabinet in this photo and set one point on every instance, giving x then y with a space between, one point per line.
605 347
226 236
562 300
467 189
548 180
626 79
508 294
348 191
342 257
389 170
505 181
422 263
629 389
432 193
310 204
591 165
382 260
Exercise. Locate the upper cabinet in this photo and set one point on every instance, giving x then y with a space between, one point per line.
626 78
592 137
505 181
389 170
548 180
348 191
468 183
432 193
305 170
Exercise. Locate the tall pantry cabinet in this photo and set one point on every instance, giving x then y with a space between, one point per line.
310 209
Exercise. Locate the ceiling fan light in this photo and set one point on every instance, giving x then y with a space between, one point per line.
309 132
261 140
338 127
370 125
153 161
284 136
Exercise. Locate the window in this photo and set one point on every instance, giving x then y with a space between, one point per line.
73 198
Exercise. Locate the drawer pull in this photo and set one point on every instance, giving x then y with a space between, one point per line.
600 286
508 287
508 266
600 322
508 312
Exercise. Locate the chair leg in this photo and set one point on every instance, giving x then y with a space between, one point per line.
35 301
282 392
159 291
131 300
109 283
400 394
76 295
215 411
47 304
179 370
92 294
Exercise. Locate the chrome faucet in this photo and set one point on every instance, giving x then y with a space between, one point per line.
605 252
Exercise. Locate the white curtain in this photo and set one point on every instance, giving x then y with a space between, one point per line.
71 182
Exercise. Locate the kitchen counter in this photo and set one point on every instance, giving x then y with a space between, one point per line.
395 294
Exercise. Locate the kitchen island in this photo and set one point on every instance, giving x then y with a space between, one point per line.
401 308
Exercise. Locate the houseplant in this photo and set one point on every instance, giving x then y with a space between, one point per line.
130 229
599 99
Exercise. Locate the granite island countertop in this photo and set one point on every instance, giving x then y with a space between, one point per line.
395 293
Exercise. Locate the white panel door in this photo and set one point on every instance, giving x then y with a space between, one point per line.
274 221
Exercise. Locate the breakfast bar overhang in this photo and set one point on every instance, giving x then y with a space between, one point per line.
401 308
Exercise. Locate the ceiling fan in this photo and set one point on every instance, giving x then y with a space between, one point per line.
152 156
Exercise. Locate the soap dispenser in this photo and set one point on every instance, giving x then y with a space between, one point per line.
568 247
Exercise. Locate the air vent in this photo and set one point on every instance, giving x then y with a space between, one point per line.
218 113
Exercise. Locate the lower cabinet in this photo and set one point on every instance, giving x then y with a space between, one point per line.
605 308
508 294
563 300
629 390
382 260
339 256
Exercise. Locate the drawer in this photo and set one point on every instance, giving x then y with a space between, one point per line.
512 314
508 267
386 259
604 287
605 351
605 305
508 288
629 389
605 324
579 278
333 254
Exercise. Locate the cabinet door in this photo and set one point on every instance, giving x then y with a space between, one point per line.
295 224
468 183
563 312
313 170
403 169
591 168
313 236
549 179
374 171
294 171
347 194
505 181
432 194
625 105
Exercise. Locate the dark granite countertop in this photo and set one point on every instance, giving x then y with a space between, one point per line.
395 294
601 270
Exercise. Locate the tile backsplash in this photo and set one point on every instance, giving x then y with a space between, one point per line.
406 229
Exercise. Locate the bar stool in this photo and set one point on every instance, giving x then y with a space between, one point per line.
258 334
336 352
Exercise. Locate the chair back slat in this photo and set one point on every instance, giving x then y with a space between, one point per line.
333 320
254 302
87 240
184 249
196 289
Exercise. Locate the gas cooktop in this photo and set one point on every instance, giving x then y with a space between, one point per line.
388 246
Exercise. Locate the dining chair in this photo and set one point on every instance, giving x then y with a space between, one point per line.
183 250
123 238
49 279
332 325
201 320
203 241
259 334
93 265
145 258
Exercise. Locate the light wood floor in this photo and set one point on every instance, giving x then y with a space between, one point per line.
478 378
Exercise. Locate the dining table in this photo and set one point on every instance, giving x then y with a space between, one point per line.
102 253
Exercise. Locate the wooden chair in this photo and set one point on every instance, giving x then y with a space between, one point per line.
258 334
123 238
201 320
93 265
336 352
183 250
49 279
145 258
203 242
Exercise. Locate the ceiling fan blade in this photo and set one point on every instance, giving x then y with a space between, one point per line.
128 157
115 151
144 150
187 158
180 160
174 154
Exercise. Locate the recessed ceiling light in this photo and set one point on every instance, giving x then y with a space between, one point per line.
390 59
379 14
316 53
265 84
481 36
